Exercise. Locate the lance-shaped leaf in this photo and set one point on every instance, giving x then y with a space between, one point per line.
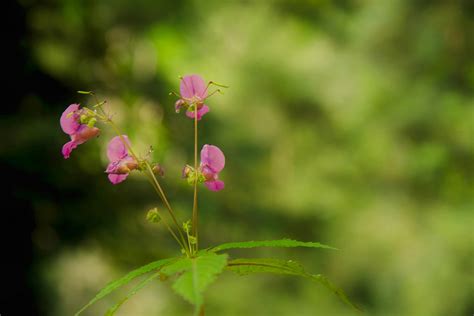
196 274
246 266
112 286
285 243
132 292
268 265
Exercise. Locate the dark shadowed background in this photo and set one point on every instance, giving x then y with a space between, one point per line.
346 122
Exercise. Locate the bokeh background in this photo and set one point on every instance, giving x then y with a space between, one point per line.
346 122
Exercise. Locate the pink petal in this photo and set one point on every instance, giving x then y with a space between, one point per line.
69 123
213 157
203 110
215 185
84 133
193 85
116 149
67 148
112 168
208 172
122 166
117 178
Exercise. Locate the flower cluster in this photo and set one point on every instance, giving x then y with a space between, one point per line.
79 124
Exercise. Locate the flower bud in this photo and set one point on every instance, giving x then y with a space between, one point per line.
187 171
187 226
83 119
190 178
153 216
158 169
192 239
92 122
179 104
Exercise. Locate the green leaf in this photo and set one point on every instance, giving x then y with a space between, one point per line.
270 243
247 266
339 292
132 292
112 286
197 274
290 267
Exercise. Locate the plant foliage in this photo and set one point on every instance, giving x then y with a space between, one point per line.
112 286
268 265
134 291
196 274
285 243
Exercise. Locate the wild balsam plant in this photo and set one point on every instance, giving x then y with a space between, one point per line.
196 268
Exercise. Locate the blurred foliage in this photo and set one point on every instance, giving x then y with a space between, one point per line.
346 122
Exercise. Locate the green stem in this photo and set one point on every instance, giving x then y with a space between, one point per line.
195 205
168 226
161 193
108 120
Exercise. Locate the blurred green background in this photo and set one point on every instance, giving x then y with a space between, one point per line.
346 122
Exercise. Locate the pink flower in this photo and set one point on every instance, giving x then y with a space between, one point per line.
121 163
212 162
79 133
193 92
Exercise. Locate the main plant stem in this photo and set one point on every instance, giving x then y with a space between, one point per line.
195 205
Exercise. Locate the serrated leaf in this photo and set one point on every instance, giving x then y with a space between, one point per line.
290 267
339 292
286 243
112 286
132 292
247 266
180 265
197 274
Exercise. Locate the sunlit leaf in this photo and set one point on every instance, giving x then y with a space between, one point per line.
132 292
268 265
246 266
112 286
283 243
197 274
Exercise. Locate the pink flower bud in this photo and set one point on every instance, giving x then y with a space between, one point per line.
179 104
187 170
158 169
